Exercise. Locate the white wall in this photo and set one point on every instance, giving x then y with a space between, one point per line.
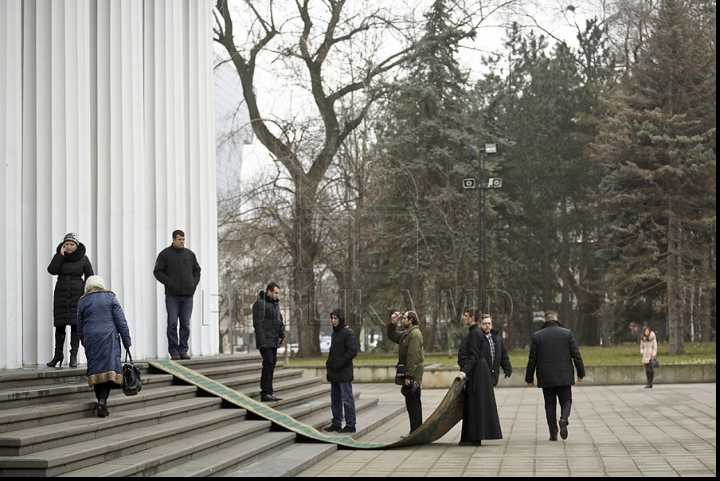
106 130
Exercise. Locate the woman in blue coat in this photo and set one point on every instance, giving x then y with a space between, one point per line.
101 326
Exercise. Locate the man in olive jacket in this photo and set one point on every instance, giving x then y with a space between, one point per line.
178 270
339 365
411 353
552 354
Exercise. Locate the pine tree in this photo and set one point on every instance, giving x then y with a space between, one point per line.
658 149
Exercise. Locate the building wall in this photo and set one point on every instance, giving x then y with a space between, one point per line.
106 130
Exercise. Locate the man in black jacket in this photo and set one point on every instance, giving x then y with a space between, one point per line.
499 354
339 365
269 335
178 270
552 354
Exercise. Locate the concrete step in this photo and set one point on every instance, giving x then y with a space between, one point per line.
13 397
31 416
229 459
32 440
249 383
300 456
287 462
128 443
179 452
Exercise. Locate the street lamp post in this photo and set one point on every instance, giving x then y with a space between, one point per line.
483 184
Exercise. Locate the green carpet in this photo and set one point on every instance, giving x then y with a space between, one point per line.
447 414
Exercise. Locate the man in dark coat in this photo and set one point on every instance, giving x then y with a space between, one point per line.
70 264
498 353
178 270
480 415
269 335
339 365
552 354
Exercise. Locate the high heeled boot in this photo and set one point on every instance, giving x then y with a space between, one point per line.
59 346
652 376
647 375
74 344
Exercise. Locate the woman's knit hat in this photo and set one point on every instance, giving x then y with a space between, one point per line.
72 237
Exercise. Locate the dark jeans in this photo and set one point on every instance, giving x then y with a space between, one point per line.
341 396
552 395
414 409
269 356
178 307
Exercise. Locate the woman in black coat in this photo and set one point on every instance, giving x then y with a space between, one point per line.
101 326
480 415
70 264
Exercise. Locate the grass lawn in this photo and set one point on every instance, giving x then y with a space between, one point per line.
625 355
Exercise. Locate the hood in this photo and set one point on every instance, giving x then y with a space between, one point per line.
75 256
651 336
341 315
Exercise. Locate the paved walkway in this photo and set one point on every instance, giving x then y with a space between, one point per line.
614 431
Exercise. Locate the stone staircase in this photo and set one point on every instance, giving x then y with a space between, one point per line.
48 425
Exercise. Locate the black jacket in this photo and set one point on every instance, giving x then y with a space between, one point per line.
267 322
178 270
552 354
70 286
501 357
343 349
502 360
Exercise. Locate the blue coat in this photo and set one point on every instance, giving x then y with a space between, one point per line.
101 325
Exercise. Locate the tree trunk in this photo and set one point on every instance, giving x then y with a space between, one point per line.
304 276
674 288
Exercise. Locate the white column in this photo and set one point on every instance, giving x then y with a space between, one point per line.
11 267
107 131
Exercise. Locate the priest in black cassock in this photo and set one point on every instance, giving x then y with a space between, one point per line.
480 415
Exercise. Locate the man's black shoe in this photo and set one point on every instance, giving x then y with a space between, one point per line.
469 443
563 428
268 398
348 429
333 429
553 438
276 398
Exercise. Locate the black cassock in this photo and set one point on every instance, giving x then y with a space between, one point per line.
480 415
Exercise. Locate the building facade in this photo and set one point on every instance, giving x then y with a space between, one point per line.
106 130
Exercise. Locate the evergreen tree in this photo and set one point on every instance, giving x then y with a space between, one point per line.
658 152
425 237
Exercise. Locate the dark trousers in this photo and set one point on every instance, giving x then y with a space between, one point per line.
60 339
178 308
414 409
553 395
269 356
341 397
102 390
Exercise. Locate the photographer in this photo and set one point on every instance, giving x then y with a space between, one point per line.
411 354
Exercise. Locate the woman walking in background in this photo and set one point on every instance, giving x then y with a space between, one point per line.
70 264
101 326
648 349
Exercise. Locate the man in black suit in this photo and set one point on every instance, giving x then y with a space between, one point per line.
552 354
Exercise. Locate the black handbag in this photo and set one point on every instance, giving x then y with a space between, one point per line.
654 363
400 374
132 382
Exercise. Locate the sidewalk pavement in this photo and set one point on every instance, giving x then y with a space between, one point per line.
668 430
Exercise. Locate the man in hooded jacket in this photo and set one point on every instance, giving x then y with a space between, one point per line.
339 365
